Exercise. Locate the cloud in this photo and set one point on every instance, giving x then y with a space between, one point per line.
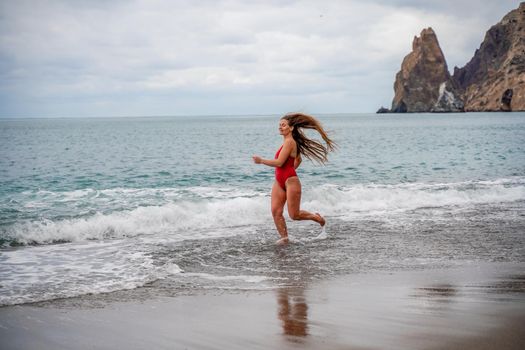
231 56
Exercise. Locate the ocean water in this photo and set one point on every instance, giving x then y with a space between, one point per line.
168 205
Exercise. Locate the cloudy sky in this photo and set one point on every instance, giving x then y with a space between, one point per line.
152 57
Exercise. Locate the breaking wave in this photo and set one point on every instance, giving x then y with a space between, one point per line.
209 212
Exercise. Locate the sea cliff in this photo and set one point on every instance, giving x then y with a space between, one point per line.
493 80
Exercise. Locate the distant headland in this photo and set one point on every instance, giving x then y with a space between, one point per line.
493 80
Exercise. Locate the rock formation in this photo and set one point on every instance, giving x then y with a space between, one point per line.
494 79
424 84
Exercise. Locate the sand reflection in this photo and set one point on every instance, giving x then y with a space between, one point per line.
293 311
441 292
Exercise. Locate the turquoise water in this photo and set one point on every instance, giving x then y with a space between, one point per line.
94 205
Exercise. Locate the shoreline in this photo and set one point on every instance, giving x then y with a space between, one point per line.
474 306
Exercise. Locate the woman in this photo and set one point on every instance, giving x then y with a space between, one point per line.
287 187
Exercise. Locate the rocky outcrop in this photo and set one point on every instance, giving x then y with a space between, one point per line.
424 84
383 110
494 79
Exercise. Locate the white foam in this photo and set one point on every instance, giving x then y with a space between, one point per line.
131 195
375 199
58 271
322 235
245 278
179 217
207 216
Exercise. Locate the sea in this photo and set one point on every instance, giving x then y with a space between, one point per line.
156 206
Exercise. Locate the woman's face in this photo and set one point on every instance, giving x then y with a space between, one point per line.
284 128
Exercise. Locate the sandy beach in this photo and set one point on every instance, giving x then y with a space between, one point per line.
474 306
152 154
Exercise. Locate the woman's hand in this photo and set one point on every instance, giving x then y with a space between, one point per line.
257 159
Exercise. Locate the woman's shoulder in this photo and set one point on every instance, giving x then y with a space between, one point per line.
289 142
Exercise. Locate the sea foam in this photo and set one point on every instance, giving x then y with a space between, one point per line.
66 270
217 212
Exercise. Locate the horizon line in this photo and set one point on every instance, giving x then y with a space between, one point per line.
177 115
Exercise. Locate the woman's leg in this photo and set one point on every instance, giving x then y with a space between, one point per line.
278 200
293 196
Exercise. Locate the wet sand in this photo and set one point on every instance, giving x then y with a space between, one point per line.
470 307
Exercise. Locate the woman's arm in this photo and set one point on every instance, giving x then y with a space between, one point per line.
283 156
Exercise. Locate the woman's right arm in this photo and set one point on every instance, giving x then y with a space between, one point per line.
283 156
270 162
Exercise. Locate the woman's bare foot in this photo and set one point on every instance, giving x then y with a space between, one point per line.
321 220
282 241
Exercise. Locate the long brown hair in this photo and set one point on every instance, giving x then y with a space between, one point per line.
311 149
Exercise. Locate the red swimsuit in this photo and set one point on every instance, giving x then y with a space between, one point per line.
285 171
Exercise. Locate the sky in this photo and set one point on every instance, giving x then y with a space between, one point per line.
93 58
